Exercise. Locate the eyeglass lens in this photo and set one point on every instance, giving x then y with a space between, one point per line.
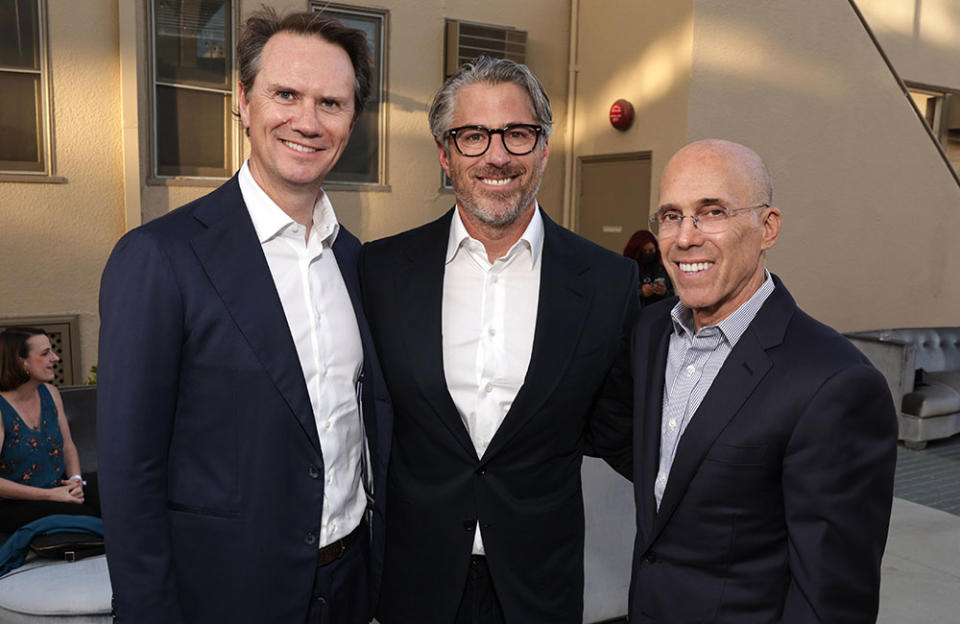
518 140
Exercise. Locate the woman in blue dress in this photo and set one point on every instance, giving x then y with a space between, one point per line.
39 464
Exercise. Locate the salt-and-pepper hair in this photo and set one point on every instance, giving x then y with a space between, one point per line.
486 70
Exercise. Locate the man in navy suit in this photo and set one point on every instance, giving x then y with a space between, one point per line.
243 426
496 328
764 443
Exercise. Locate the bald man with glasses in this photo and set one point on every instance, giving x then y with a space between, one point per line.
764 442
496 328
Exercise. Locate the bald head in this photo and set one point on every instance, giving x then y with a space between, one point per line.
742 165
717 265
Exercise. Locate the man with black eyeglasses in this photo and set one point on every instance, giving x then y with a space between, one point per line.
765 443
496 328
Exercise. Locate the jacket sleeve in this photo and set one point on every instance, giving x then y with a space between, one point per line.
141 332
610 432
838 491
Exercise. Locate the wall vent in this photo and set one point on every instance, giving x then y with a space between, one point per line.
466 41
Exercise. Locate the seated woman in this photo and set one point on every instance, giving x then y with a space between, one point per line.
39 464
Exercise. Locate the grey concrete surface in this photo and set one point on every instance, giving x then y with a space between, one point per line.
920 574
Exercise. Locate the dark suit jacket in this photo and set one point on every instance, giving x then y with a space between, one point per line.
778 501
525 491
211 472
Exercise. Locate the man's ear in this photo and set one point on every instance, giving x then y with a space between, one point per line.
444 157
771 227
244 106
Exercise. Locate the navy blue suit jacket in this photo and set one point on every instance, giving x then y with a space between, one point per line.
211 471
525 490
778 500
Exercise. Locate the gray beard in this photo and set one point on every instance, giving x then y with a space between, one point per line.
505 218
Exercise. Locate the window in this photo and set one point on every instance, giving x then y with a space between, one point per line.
24 108
362 161
941 110
193 131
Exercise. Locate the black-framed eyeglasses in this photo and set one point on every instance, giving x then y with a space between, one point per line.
711 219
518 139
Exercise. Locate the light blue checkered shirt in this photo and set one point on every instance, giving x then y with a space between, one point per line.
693 361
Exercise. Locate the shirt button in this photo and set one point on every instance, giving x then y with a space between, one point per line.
295 229
488 387
493 279
662 479
691 369
492 331
327 425
672 423
333 527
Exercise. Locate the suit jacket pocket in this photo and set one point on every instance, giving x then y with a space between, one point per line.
737 455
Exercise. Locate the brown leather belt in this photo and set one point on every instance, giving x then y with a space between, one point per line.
331 552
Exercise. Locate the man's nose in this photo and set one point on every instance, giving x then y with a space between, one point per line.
689 234
497 153
304 119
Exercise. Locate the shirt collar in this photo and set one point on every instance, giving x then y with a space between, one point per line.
732 327
532 237
269 219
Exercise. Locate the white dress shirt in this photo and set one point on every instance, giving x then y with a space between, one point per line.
489 317
324 329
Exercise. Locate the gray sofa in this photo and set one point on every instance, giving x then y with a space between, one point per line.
922 367
53 592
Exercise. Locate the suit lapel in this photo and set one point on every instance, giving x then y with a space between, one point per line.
422 309
739 376
346 250
565 297
232 258
651 358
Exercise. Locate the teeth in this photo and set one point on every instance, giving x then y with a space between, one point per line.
693 267
300 148
495 181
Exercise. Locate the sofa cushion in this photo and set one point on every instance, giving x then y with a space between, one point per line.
42 587
938 395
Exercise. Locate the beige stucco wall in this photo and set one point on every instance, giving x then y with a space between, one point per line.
54 238
641 51
921 38
870 227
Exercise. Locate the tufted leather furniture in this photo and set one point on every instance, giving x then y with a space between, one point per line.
922 367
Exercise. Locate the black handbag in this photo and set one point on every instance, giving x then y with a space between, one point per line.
67 546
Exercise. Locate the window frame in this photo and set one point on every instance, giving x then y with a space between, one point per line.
45 109
154 178
380 66
938 131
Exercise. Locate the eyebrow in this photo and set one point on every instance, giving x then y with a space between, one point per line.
703 201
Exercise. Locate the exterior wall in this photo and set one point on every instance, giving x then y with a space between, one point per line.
641 51
869 207
919 37
55 238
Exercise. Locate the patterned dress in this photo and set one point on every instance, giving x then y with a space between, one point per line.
30 456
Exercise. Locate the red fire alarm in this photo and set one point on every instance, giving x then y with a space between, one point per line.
621 114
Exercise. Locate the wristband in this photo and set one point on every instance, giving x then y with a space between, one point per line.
77 477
